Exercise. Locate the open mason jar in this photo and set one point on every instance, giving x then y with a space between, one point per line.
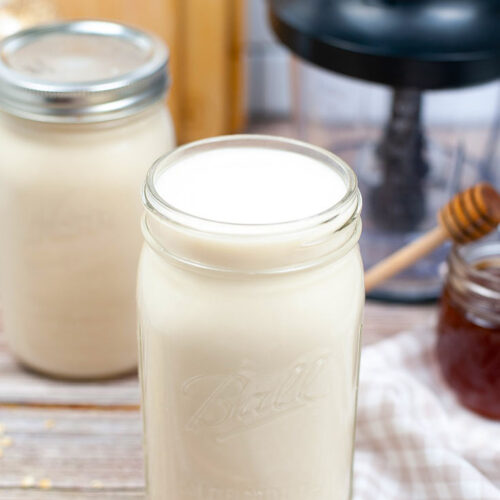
250 299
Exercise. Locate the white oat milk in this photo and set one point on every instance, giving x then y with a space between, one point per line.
82 118
250 300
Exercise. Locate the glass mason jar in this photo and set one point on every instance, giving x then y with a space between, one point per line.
468 344
82 118
249 332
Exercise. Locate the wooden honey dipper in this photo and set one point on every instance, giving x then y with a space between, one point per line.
468 216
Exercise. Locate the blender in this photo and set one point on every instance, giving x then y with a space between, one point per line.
409 51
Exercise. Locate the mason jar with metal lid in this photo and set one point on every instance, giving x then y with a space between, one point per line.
82 118
250 294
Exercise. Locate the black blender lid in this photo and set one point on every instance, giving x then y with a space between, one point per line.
423 44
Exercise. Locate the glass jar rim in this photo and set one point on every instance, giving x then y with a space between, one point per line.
351 201
478 281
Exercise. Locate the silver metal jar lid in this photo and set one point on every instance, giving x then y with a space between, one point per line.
81 71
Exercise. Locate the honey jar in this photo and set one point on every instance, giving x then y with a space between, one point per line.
468 345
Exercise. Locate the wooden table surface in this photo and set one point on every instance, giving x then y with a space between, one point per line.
61 440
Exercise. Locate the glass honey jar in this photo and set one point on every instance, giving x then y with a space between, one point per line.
468 346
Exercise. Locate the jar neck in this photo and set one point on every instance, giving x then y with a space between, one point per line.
252 248
269 254
25 125
473 281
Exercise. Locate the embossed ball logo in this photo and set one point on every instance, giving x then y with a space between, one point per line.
229 404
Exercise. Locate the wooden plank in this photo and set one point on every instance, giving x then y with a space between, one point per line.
212 73
18 386
238 66
206 70
383 320
71 450
171 32
24 494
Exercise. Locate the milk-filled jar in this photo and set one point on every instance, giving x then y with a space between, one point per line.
250 295
82 117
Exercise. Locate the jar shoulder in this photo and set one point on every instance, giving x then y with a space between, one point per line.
32 153
20 138
159 277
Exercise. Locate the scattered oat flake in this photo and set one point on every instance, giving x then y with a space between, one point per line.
96 484
6 442
49 424
28 481
45 484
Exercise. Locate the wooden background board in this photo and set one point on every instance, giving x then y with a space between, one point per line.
82 441
207 61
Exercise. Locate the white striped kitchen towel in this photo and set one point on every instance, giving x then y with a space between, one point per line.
414 441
